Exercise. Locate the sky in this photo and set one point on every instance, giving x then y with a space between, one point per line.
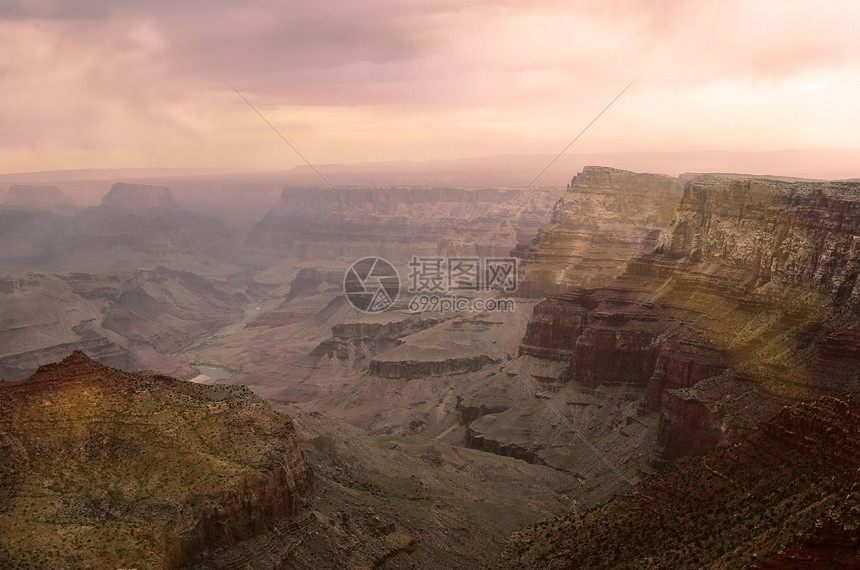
119 83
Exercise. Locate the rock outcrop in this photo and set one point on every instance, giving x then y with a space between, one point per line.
348 339
139 196
606 217
407 369
469 411
105 468
523 452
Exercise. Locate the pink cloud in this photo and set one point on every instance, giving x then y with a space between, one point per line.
113 81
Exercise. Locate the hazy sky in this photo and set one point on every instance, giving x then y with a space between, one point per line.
99 83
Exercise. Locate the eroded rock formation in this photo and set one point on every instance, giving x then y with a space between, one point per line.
752 286
138 196
43 196
606 217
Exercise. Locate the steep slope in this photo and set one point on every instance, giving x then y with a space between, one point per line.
108 469
606 217
43 317
787 497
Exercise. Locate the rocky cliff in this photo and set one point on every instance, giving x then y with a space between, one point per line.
109 469
350 338
606 217
747 300
786 497
789 232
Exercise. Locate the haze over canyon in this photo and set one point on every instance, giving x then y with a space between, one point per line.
672 382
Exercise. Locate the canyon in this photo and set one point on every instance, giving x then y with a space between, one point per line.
660 322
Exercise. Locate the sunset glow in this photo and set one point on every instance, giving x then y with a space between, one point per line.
99 84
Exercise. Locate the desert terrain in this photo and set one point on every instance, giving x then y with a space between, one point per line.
181 362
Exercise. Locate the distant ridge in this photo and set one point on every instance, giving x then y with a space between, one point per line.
35 196
117 173
512 169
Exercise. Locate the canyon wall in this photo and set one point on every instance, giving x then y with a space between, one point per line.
606 217
315 224
791 232
751 285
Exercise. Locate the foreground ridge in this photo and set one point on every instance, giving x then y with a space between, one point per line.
106 468
787 496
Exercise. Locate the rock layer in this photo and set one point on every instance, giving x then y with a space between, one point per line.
315 224
753 283
606 217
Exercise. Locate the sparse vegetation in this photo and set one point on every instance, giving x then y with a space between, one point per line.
101 479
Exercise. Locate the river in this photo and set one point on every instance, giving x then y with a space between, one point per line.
212 372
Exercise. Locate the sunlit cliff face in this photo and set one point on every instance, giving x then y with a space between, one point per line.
96 84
